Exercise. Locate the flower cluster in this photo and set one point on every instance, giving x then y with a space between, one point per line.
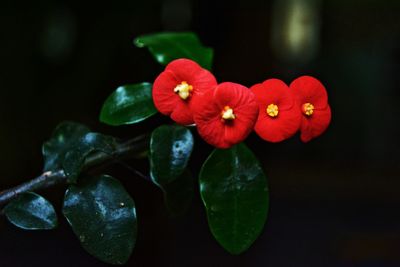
226 113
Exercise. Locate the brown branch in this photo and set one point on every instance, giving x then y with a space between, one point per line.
51 178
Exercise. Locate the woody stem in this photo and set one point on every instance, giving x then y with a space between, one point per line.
52 178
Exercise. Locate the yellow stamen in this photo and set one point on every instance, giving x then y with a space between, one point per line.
183 90
308 109
227 113
272 110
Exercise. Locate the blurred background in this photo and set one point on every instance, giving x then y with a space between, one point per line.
334 201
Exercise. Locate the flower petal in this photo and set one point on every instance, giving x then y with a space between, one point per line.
184 69
315 125
307 89
182 114
167 101
202 82
244 106
237 130
231 94
214 133
207 115
191 72
279 128
164 98
273 91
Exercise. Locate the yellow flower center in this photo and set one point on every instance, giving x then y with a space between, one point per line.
308 109
183 90
272 110
227 113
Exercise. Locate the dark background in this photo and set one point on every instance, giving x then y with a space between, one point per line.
334 201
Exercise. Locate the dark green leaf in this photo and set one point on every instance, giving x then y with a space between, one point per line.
168 46
30 211
235 193
103 217
129 104
178 194
91 142
63 139
170 150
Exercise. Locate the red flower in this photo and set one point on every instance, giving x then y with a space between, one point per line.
226 115
312 99
278 118
175 89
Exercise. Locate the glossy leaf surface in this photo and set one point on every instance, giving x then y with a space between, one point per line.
170 150
128 104
235 194
63 139
30 211
168 46
103 217
91 142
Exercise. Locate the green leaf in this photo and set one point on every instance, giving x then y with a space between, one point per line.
30 211
63 139
128 104
91 142
103 217
235 194
178 194
170 150
168 46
